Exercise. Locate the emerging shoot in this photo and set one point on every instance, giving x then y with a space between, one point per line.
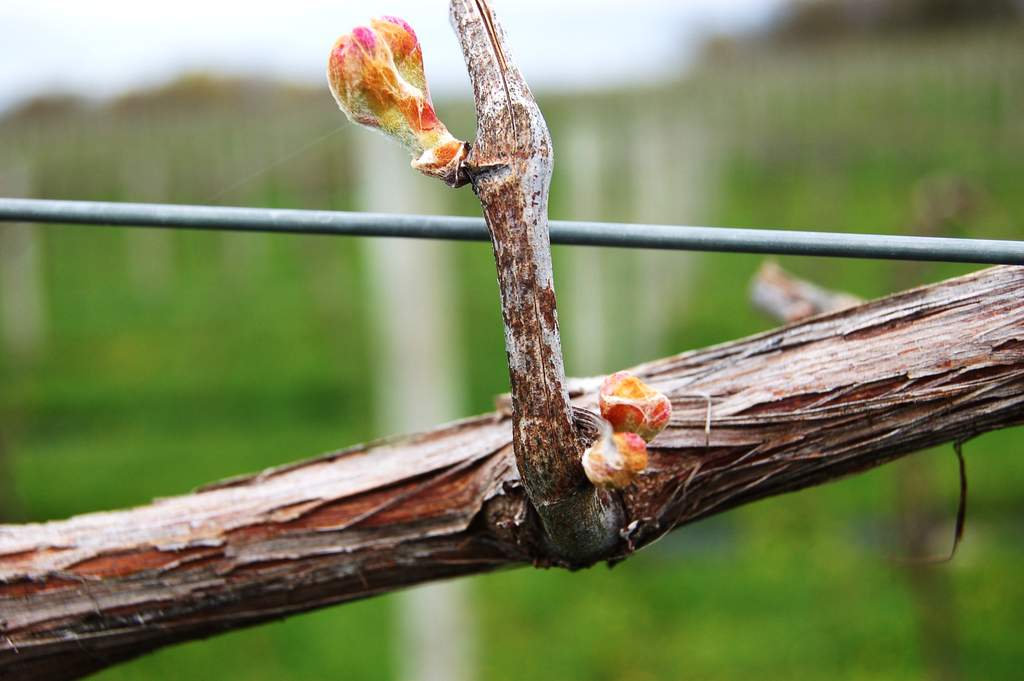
376 75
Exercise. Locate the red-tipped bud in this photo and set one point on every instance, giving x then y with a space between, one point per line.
376 76
631 406
615 460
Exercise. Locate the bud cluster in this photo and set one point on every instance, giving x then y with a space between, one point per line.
636 414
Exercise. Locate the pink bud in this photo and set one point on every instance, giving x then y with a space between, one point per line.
633 407
376 76
614 461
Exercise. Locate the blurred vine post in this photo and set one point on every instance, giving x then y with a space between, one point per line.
417 381
670 181
23 309
149 252
247 257
586 294
22 292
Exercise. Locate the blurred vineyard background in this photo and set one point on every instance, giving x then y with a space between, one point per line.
140 363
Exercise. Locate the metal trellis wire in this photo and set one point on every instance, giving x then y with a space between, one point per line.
672 237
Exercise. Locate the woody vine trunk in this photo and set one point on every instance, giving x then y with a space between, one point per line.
510 166
795 407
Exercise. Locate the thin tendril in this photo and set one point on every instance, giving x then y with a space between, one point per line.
274 164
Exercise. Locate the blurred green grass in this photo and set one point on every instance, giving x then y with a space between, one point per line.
256 353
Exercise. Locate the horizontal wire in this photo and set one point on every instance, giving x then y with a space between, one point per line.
667 237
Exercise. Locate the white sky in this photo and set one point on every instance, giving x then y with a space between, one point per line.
102 47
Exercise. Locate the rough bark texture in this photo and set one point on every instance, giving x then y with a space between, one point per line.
794 407
510 165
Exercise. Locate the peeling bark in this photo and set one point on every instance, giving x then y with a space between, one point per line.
794 407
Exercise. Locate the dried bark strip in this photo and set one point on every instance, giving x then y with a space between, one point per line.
788 299
794 407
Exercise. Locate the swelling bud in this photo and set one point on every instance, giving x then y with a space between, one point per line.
615 460
631 406
376 76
